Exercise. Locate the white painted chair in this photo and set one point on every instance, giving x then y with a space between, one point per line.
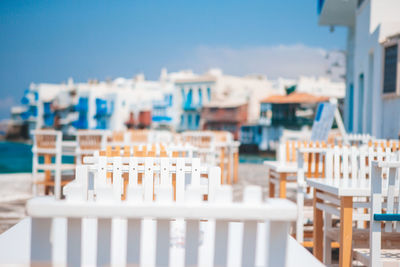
156 149
155 172
355 139
351 164
103 232
384 217
349 168
48 145
135 137
216 148
89 141
311 163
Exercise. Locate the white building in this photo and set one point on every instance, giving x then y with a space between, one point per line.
99 105
320 86
372 101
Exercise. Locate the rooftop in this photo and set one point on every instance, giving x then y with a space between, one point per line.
295 98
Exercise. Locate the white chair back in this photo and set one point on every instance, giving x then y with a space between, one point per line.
156 172
385 205
221 233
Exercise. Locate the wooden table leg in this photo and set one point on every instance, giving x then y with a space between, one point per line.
235 167
271 187
282 185
318 228
47 175
271 190
346 231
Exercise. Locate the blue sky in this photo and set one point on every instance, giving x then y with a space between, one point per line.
49 41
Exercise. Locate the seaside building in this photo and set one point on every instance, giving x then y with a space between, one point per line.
225 116
372 73
177 101
112 104
292 109
216 88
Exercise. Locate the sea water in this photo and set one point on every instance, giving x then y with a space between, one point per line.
17 157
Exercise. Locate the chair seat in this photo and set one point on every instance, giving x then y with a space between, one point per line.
361 238
50 167
390 257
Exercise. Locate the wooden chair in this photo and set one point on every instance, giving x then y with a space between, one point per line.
47 144
216 148
384 218
347 166
137 136
312 163
89 141
279 180
162 169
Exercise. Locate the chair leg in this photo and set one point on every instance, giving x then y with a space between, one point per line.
271 189
47 175
300 215
327 241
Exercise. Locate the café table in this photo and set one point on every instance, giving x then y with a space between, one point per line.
342 192
278 173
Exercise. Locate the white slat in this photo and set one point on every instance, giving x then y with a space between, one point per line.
133 171
195 172
223 195
148 179
59 241
118 242
336 164
101 179
390 197
180 180
117 179
166 178
354 164
345 164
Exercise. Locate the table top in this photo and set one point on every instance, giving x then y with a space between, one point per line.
342 187
280 166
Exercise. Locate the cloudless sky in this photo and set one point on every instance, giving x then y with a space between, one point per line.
49 41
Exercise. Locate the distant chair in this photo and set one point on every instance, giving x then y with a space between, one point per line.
137 136
47 145
216 148
89 141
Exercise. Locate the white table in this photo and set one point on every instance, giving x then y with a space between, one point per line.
278 172
342 191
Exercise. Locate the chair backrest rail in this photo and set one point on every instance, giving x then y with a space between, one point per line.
143 233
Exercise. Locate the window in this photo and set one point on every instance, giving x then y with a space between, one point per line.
189 118
360 102
200 98
197 120
359 3
351 107
390 69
